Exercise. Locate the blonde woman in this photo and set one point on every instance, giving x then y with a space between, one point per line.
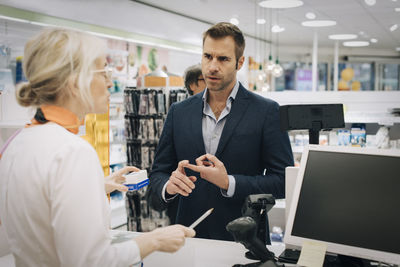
53 204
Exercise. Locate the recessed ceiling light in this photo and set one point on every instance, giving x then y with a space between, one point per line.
356 43
370 2
393 27
261 21
342 36
318 23
397 9
310 15
373 40
276 28
234 21
281 3
398 49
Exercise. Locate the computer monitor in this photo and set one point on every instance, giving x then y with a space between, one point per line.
349 199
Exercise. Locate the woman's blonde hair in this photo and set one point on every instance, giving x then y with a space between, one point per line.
55 60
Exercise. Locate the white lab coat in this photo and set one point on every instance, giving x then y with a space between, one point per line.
53 205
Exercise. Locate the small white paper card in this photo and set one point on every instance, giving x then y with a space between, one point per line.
312 254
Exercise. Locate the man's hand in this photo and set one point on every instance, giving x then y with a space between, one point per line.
179 183
115 180
212 170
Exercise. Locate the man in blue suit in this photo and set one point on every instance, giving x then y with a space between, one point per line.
220 146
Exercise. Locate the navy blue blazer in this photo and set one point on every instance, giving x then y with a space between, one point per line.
251 142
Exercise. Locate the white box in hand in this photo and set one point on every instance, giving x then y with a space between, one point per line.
136 180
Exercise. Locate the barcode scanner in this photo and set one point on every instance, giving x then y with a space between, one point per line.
251 230
244 230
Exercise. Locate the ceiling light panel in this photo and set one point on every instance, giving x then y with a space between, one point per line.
234 21
281 3
261 21
344 36
310 15
370 2
393 27
277 28
318 23
356 43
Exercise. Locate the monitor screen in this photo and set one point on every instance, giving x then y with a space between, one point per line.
349 199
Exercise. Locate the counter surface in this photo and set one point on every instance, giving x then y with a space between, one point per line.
196 252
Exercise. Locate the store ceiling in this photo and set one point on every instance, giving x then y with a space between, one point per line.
352 16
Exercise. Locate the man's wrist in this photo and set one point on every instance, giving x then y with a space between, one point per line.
168 195
226 186
231 188
165 195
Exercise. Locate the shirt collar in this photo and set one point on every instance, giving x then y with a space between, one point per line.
61 116
231 97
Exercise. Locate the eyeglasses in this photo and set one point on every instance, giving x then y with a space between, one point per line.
107 72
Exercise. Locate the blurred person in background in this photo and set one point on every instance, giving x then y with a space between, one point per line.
194 81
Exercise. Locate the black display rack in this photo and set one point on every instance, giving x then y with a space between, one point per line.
146 110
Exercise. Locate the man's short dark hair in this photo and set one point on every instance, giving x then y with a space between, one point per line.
191 76
224 29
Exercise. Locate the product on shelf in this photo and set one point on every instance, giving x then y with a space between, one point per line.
358 134
146 110
344 137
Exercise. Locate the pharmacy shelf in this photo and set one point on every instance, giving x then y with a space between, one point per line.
118 213
117 122
297 149
122 161
371 117
360 106
117 98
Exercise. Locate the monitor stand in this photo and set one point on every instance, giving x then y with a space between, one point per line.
313 133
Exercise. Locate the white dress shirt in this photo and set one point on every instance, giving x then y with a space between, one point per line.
53 205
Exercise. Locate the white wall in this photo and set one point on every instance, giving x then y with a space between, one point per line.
178 61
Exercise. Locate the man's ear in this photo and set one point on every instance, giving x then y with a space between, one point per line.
239 63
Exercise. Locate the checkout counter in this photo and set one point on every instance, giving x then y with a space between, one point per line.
196 252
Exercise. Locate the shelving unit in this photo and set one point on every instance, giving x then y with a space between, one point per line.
297 149
360 106
118 212
117 155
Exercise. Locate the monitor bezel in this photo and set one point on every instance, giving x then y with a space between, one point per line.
364 253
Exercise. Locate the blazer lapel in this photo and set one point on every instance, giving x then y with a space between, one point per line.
239 106
197 125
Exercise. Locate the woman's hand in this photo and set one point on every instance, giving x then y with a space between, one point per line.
172 238
166 239
115 180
